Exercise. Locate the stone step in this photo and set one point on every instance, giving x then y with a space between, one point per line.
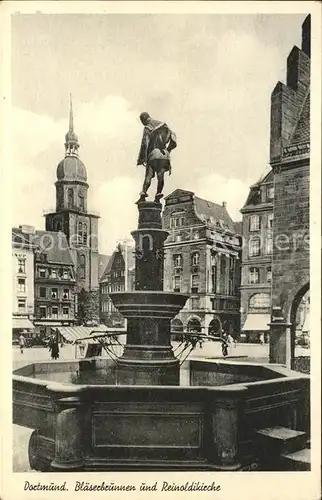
280 440
298 460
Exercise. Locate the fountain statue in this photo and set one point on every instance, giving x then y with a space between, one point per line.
136 413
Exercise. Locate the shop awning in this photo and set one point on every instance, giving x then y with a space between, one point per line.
24 323
72 333
257 322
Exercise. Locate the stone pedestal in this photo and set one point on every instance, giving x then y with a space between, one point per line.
279 339
225 421
148 357
68 439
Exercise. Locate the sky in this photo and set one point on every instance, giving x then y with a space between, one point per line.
209 77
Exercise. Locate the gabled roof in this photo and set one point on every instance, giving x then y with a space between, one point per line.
213 214
209 213
239 227
129 252
102 263
54 245
21 238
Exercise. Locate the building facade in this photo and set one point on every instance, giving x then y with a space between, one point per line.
71 215
55 298
202 258
119 276
290 162
23 255
256 278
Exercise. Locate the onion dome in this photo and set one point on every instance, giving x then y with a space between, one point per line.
71 168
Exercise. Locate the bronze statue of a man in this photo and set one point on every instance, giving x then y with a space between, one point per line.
157 143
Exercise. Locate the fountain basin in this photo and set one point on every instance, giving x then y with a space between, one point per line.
204 426
148 357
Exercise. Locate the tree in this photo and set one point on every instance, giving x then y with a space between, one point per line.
88 307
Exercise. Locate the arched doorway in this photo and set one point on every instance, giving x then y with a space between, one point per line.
300 332
214 327
228 327
194 325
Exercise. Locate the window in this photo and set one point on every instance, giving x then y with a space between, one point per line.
54 293
54 312
66 293
195 259
269 275
65 312
177 283
82 267
231 263
270 192
194 283
42 292
43 312
21 265
65 274
21 305
254 223
195 303
81 201
253 276
178 237
84 234
259 301
42 273
70 196
80 232
214 278
196 235
270 221
178 221
254 247
269 244
53 273
177 259
230 287
21 285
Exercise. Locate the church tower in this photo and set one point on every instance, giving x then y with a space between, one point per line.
71 215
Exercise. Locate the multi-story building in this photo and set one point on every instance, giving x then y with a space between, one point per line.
54 279
202 258
256 276
119 276
72 217
23 253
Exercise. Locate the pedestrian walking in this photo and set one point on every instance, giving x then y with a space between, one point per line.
54 347
224 344
22 343
224 348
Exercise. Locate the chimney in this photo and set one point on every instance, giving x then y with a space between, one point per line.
224 204
306 35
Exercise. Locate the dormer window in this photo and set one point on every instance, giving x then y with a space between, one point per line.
270 193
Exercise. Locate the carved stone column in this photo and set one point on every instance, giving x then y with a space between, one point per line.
279 339
69 433
224 419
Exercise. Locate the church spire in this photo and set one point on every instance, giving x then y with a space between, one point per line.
71 117
71 139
